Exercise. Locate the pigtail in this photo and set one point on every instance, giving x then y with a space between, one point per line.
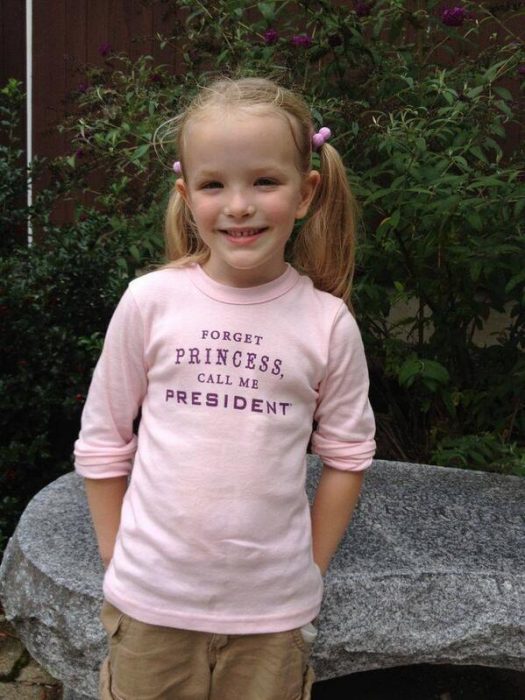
182 242
325 246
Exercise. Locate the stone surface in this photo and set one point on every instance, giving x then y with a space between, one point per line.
20 675
431 571
50 585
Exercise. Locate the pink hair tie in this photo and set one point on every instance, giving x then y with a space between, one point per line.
321 137
177 168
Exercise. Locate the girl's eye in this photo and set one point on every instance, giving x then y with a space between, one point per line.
211 185
266 182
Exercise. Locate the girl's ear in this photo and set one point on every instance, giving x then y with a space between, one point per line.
180 186
308 190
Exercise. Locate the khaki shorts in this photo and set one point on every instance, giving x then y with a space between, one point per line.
150 662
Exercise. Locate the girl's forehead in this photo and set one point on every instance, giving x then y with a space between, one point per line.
235 135
227 121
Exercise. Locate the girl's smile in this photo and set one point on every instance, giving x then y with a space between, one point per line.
241 236
245 191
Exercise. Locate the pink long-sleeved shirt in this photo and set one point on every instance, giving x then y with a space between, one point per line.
215 530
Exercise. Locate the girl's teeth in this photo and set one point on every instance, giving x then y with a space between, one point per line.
241 234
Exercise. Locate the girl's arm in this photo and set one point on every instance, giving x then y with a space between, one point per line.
343 437
332 510
106 446
105 498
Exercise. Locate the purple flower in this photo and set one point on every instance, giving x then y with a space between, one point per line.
453 16
83 87
270 36
362 9
79 153
521 69
302 40
105 49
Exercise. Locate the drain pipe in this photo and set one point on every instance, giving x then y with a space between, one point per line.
29 111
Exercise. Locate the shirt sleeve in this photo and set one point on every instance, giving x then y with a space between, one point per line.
106 445
344 435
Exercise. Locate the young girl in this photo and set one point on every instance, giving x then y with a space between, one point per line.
214 561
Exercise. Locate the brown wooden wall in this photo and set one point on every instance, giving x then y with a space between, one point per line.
13 45
67 35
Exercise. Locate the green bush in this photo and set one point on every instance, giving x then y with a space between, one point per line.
13 213
15 175
56 299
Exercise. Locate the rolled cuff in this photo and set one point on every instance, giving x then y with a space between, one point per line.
107 471
346 456
104 463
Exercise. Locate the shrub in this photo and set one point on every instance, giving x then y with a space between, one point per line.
15 175
56 298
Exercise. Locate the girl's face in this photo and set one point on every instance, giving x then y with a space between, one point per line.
245 191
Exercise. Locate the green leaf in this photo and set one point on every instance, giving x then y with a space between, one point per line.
475 220
475 270
267 10
503 106
514 281
450 96
390 222
474 92
435 370
394 218
421 144
135 253
476 151
432 373
461 161
519 206
139 152
447 399
503 92
408 371
377 195
492 71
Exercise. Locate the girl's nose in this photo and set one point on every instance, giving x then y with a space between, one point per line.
239 206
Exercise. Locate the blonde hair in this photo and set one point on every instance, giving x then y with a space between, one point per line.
324 247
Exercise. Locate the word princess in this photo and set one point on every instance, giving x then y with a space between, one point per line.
225 357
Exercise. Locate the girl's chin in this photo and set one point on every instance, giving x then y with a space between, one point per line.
244 272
